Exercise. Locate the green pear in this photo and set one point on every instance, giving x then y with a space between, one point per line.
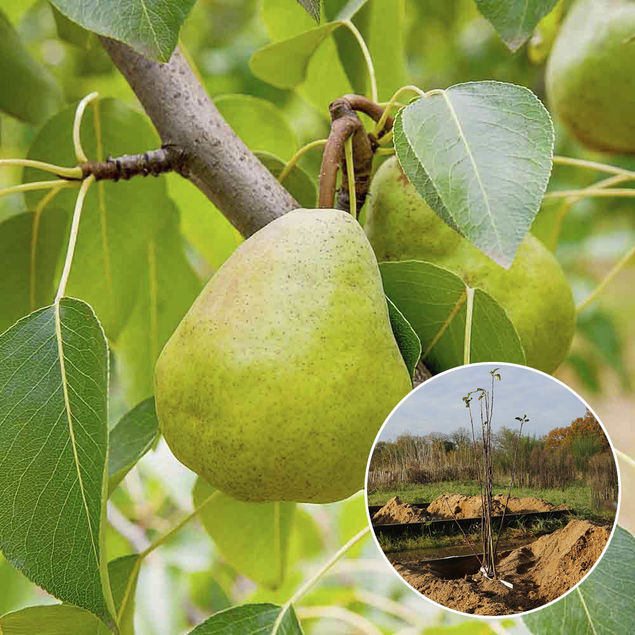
533 291
277 380
591 74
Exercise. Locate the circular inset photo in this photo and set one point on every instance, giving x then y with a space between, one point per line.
492 489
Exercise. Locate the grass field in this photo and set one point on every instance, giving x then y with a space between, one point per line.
577 495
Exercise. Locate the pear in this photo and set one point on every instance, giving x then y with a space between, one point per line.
591 74
275 383
533 291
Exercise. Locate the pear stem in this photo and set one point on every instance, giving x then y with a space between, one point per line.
297 156
621 263
367 58
77 124
568 203
393 102
350 174
70 250
624 192
58 170
469 310
38 185
304 588
593 165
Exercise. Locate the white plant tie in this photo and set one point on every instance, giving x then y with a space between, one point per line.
509 585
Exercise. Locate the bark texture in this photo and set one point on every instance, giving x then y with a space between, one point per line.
213 157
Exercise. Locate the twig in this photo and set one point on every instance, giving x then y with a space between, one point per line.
214 158
58 170
619 265
367 58
153 162
70 250
80 155
593 165
339 613
304 588
296 157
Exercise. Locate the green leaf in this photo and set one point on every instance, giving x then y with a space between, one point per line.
312 7
252 537
599 329
130 439
480 155
118 219
603 604
17 591
515 20
284 19
374 19
249 619
124 574
53 449
149 26
471 627
258 123
28 268
56 619
284 64
70 31
297 182
34 94
325 77
167 287
406 338
202 224
433 300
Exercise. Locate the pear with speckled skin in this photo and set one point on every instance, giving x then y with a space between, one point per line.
277 380
533 291
590 76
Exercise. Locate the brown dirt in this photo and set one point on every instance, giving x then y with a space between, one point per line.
394 511
470 506
540 572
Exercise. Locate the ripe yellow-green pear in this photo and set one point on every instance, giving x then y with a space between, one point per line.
591 74
277 380
533 291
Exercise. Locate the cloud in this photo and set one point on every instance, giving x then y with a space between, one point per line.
437 405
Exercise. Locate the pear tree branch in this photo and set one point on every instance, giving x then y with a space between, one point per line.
209 153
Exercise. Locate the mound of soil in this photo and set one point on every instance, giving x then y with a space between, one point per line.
470 506
394 511
540 572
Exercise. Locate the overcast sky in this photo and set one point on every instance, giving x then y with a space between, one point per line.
436 406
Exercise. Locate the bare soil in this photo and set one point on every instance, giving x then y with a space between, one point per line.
394 511
470 506
540 573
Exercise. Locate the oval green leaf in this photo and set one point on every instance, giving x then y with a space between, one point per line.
118 219
603 604
284 64
515 20
434 301
167 286
405 336
53 449
250 619
480 155
252 537
57 619
258 123
134 434
149 26
34 94
298 183
30 248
